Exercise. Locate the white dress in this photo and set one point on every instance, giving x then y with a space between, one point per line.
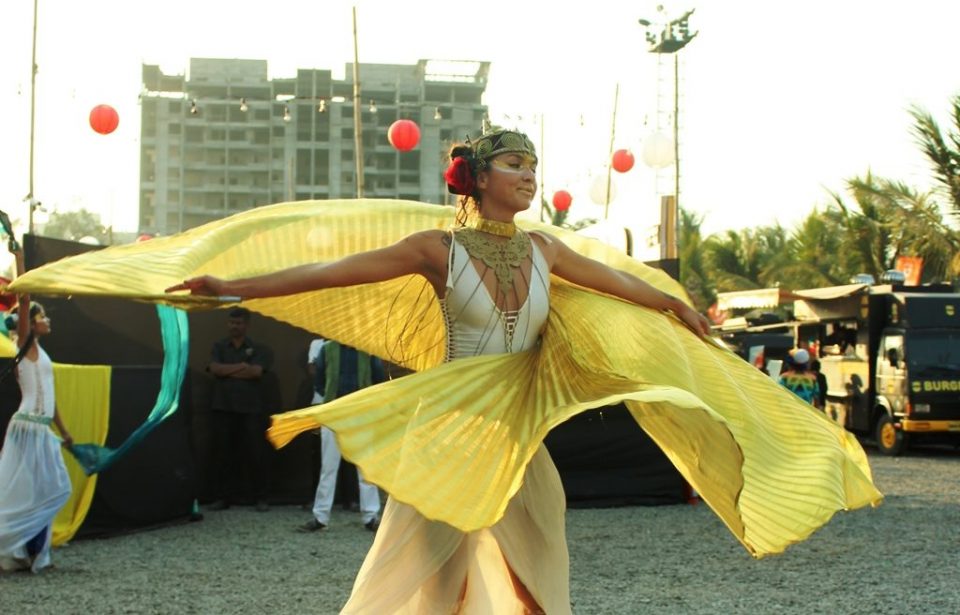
34 484
420 566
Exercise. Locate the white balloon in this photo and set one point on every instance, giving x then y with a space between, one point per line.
658 150
90 241
598 189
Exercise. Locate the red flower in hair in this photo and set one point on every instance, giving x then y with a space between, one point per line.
459 177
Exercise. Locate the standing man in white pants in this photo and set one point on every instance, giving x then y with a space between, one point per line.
338 370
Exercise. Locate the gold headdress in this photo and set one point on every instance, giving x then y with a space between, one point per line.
500 141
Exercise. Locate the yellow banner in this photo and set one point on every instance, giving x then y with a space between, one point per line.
83 401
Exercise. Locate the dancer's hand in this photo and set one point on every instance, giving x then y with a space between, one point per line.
206 285
697 322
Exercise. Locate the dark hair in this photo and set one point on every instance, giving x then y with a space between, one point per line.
13 316
11 322
462 150
239 312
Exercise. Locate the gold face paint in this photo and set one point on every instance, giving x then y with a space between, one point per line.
515 163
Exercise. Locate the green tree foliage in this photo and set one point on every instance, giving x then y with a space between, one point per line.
895 220
810 255
943 150
864 232
74 225
694 276
746 259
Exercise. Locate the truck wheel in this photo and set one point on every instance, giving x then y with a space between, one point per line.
890 440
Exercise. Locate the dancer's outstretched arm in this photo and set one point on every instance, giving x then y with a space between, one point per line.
586 272
416 254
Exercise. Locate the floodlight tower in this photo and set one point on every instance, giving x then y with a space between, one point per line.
667 39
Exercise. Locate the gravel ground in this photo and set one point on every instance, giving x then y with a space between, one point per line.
898 558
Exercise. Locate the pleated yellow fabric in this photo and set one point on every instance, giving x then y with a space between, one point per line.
453 441
83 402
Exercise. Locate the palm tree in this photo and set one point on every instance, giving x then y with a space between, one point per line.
746 259
899 221
810 257
693 271
943 150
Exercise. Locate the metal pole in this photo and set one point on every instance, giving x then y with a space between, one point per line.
357 124
543 171
613 134
676 130
33 107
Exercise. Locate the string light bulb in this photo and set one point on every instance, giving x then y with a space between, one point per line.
193 107
286 113
322 107
373 106
436 114
243 104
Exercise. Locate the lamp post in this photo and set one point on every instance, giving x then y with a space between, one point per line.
32 203
670 38
357 125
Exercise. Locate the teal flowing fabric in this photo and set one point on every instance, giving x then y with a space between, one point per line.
176 344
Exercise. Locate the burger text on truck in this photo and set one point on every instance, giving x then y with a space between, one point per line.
891 356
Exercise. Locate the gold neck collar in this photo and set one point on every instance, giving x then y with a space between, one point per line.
493 227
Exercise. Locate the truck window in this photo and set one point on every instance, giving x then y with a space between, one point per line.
936 348
892 350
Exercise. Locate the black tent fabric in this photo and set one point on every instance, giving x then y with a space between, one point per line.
154 482
606 460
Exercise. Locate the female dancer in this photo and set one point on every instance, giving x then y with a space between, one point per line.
493 282
34 484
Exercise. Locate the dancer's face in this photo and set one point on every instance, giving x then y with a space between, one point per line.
41 323
509 183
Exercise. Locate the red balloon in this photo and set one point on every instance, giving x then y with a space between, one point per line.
104 119
404 135
622 160
562 200
144 237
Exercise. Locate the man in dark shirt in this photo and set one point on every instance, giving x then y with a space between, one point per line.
238 365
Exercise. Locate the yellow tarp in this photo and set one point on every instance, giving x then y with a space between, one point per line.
83 401
7 348
453 440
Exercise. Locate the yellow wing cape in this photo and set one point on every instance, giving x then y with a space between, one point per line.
453 440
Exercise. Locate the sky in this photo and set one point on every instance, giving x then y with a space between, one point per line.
780 103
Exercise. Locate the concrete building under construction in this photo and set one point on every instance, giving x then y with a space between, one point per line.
226 138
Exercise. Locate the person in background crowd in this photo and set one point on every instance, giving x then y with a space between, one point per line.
800 380
340 370
238 365
821 382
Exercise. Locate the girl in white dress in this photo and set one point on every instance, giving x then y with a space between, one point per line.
34 484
